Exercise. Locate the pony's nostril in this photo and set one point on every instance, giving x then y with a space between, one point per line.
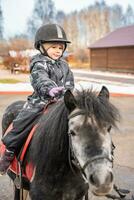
109 178
93 179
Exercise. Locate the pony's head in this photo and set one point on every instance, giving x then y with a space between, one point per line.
91 117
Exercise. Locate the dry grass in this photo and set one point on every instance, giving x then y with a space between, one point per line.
8 81
79 65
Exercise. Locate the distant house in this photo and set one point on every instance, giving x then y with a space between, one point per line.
115 52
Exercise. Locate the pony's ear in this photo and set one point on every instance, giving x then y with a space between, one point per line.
104 93
69 100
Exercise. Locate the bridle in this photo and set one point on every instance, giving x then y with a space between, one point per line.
91 160
73 161
74 164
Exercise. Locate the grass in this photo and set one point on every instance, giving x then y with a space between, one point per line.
8 81
79 65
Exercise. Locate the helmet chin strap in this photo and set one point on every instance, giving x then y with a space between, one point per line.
43 50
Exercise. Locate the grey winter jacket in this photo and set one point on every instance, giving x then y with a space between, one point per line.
45 74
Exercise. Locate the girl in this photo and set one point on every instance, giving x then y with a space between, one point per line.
49 75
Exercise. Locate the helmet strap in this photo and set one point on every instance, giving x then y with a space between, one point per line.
42 50
65 47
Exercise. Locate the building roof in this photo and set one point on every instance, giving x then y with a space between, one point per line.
120 37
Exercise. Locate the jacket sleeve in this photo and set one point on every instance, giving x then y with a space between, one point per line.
69 82
40 80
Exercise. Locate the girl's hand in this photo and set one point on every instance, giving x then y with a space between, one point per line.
55 91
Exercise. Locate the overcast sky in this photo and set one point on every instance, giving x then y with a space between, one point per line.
17 12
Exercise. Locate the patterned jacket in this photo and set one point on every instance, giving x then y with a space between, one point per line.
45 74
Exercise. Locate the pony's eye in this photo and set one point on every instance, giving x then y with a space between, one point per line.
109 128
72 133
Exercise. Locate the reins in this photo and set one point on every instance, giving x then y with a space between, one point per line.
74 160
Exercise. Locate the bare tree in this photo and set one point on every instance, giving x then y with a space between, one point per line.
82 27
129 16
116 17
1 23
60 17
44 12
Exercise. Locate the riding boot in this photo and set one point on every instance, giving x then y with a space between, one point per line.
5 161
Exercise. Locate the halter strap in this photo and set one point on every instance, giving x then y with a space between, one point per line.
76 162
96 158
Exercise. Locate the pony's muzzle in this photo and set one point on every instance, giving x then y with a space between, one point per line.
101 186
95 180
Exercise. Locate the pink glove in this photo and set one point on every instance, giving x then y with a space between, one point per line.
55 90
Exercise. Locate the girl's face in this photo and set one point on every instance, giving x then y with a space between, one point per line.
55 51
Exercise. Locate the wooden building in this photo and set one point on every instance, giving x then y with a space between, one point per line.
115 52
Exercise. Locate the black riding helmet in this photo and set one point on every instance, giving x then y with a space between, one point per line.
50 33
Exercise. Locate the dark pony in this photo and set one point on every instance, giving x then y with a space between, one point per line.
51 153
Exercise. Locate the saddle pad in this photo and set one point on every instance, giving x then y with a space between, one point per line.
14 167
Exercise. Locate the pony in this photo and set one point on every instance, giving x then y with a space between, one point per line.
71 149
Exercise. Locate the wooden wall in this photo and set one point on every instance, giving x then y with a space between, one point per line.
114 59
98 58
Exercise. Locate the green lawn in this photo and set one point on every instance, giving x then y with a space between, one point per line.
8 80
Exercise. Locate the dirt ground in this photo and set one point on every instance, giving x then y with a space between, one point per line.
123 139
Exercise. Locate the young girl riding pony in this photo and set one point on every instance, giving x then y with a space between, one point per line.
50 76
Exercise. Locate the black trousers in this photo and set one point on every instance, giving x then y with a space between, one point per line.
22 124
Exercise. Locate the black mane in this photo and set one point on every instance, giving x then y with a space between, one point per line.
97 106
50 143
